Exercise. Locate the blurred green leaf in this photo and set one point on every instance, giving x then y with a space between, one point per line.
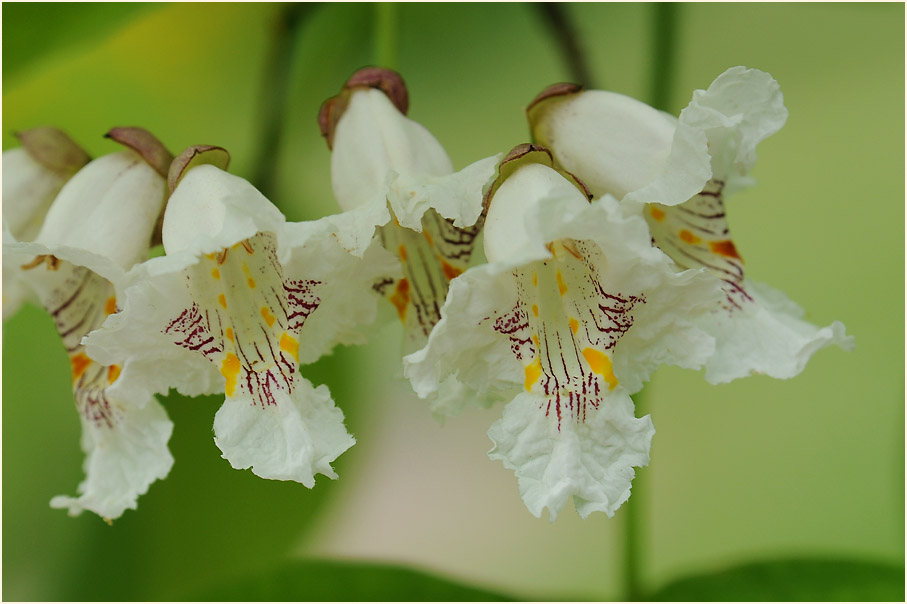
792 580
42 30
332 581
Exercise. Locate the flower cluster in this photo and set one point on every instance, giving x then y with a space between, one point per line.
608 255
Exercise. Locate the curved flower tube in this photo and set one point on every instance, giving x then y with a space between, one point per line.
570 316
676 173
99 226
33 175
238 301
391 176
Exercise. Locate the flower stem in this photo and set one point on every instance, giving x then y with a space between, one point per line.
275 88
634 519
557 17
664 30
386 34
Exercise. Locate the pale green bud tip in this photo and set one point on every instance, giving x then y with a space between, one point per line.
145 144
196 155
388 81
52 148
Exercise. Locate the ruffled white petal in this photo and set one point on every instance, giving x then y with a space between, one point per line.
134 338
767 336
741 108
295 439
590 461
347 297
456 196
121 461
466 360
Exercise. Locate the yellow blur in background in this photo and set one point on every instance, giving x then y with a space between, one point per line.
752 470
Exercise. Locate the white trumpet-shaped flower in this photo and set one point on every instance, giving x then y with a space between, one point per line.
99 226
570 316
390 175
32 176
239 300
677 173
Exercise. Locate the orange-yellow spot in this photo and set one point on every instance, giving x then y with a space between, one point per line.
230 369
400 298
229 333
428 238
111 306
535 279
211 256
574 325
601 364
533 372
535 309
267 316
561 286
113 372
80 363
401 251
251 282
222 300
451 272
725 248
535 340
289 345
689 237
657 213
215 273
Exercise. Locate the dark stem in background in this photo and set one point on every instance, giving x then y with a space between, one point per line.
664 49
275 87
556 17
635 515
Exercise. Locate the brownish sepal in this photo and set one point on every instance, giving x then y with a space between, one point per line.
520 155
53 149
561 89
388 81
145 144
196 155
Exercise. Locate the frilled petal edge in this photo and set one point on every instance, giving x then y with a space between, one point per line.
294 439
768 336
121 461
591 461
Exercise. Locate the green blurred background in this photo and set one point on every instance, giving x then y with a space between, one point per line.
756 470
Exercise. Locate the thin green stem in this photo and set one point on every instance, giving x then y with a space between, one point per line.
386 34
664 36
634 521
664 33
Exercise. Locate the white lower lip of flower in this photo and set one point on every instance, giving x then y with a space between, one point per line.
565 328
429 259
572 432
246 319
125 446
